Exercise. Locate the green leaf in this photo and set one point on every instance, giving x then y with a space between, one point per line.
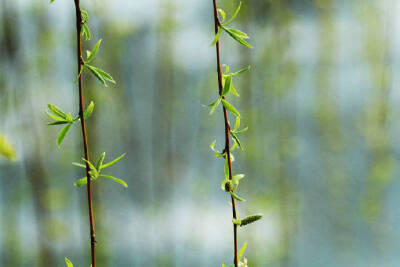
62 134
242 131
67 261
85 16
56 111
51 1
237 140
85 31
101 75
236 178
226 68
242 250
236 197
115 179
241 71
112 162
226 167
79 75
88 110
239 38
227 85
237 124
239 33
230 108
223 14
79 164
7 149
214 105
234 15
91 166
93 52
251 219
81 182
216 38
100 160
96 74
57 122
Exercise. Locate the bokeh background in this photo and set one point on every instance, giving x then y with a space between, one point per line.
321 102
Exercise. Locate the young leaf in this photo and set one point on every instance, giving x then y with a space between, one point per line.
67 261
242 131
79 164
216 38
62 134
236 178
239 33
241 71
227 85
106 76
56 111
81 182
236 197
230 108
85 31
234 15
242 250
79 75
100 160
95 72
85 16
88 110
112 162
251 219
237 140
223 15
226 167
94 51
91 166
57 122
115 179
239 38
237 124
214 105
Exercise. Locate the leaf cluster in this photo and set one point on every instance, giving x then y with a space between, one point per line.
95 170
62 118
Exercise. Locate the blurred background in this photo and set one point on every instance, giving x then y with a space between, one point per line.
320 155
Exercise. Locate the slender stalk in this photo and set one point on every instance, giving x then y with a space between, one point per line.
227 128
84 135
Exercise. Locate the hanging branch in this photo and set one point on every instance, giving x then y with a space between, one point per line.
225 86
62 118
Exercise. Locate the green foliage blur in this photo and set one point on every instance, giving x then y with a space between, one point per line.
320 156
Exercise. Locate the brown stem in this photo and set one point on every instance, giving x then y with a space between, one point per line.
227 129
84 135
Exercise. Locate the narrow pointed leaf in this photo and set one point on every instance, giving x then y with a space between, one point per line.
242 250
230 108
79 165
227 85
56 111
112 162
251 219
216 38
91 166
234 15
89 110
237 197
237 124
115 179
62 134
237 37
96 74
242 131
94 51
237 140
223 14
57 122
106 76
67 261
241 71
100 160
85 31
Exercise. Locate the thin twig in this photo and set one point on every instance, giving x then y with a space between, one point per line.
84 135
227 128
